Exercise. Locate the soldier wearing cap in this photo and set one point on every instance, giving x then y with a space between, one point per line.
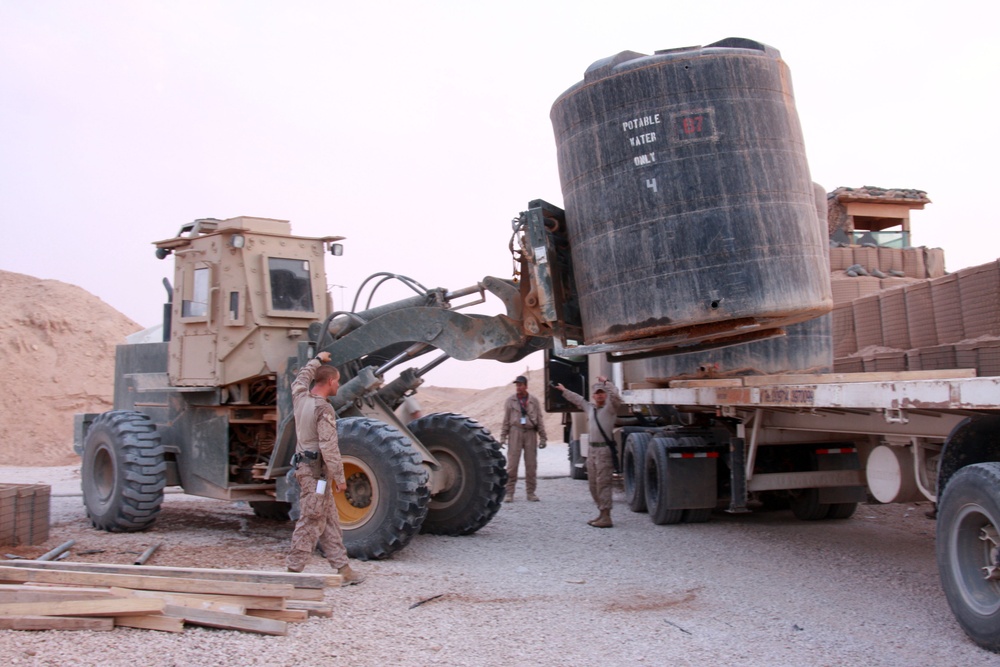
523 429
602 410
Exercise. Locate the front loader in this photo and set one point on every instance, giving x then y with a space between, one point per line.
209 408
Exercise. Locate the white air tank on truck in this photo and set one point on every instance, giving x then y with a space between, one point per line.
691 224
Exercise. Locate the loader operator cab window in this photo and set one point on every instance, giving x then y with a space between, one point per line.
291 288
195 301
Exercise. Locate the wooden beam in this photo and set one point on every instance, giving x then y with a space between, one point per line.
55 623
297 579
29 593
245 601
287 615
831 378
105 607
219 619
161 623
180 585
192 601
314 608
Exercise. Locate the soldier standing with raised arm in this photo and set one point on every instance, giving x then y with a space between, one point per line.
601 415
317 465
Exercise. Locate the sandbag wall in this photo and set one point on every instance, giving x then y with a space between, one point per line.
952 321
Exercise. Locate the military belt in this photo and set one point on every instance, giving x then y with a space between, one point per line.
299 457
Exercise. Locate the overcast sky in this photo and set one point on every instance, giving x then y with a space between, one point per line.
419 129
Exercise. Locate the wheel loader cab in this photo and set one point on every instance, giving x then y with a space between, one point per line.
245 292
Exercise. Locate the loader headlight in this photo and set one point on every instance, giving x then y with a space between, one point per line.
237 241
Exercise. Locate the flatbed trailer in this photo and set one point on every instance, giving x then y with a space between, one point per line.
820 444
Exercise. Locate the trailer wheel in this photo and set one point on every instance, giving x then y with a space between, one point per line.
842 510
700 515
807 507
123 472
577 464
386 497
275 511
475 470
968 550
656 483
634 470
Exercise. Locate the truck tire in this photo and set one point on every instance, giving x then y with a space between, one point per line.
634 470
387 495
700 515
968 522
473 464
123 472
577 464
842 510
656 483
276 511
807 507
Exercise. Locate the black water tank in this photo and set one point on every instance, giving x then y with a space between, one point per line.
807 347
689 204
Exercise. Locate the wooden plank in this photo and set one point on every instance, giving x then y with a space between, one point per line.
831 378
55 623
287 615
245 601
159 622
314 608
219 619
297 579
106 607
193 601
29 593
712 382
179 585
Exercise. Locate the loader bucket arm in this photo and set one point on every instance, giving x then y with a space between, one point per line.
463 337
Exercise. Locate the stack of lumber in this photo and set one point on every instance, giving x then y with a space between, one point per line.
42 595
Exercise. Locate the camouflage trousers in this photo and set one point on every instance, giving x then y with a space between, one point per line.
599 470
522 441
318 524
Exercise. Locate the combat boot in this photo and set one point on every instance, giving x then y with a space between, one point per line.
532 498
349 577
603 521
509 498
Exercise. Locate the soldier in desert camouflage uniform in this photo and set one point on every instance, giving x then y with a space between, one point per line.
317 465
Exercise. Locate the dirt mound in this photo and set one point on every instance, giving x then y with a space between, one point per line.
58 359
58 356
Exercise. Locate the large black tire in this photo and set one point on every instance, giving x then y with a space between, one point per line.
474 467
700 515
577 464
968 540
123 472
807 507
656 483
276 511
634 470
842 510
386 498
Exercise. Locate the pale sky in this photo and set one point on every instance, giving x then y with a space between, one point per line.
419 129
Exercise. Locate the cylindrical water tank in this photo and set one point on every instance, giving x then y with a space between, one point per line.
807 347
689 204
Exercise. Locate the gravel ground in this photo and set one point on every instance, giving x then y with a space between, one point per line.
537 586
